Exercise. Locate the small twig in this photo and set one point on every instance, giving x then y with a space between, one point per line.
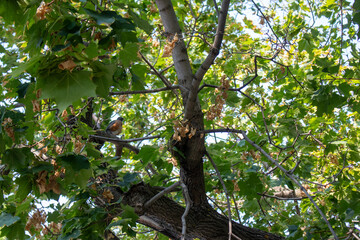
296 166
226 192
145 91
268 23
65 131
236 207
167 68
216 8
342 31
164 79
284 160
187 209
118 140
217 205
263 212
160 194
282 198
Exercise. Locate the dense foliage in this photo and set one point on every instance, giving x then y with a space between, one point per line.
280 104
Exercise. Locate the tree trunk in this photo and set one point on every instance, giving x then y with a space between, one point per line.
164 215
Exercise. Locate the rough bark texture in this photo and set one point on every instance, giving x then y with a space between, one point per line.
203 222
164 215
192 150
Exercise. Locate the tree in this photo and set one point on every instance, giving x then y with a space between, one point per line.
241 119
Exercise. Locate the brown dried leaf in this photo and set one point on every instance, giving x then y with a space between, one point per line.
41 181
107 194
10 132
55 227
51 135
58 149
67 65
192 132
53 184
36 105
42 10
172 161
64 114
123 98
38 93
36 221
170 46
153 8
176 136
78 145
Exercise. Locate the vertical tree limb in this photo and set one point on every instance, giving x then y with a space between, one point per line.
179 53
199 75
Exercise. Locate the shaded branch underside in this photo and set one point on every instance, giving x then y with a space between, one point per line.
203 222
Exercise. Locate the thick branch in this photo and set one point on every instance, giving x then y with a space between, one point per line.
164 215
179 53
192 150
208 61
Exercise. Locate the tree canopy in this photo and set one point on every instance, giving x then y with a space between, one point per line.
241 119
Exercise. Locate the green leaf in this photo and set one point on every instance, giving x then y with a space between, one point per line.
67 87
129 213
81 177
92 151
148 154
141 23
25 206
103 77
138 76
325 99
25 186
22 89
251 185
76 162
77 168
128 179
6 219
42 166
17 158
15 231
10 10
92 50
233 99
101 18
69 236
27 66
129 54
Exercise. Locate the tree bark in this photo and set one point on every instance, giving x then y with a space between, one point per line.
165 215
203 222
189 152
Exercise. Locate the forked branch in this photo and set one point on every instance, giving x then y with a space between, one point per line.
199 75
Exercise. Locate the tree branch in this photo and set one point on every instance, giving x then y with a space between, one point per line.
187 209
293 179
199 75
119 140
179 53
145 91
281 198
226 192
160 194
164 79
